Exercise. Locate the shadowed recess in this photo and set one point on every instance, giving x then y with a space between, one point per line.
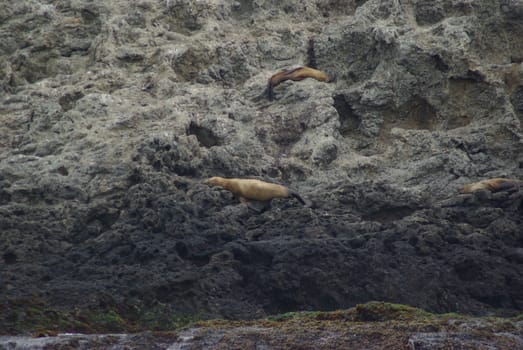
204 135
9 257
389 214
349 121
418 114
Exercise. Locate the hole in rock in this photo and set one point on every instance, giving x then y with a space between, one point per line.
439 63
88 15
10 257
68 100
4 198
418 114
62 171
181 249
458 122
204 135
349 121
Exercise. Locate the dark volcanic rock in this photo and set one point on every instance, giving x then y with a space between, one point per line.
113 114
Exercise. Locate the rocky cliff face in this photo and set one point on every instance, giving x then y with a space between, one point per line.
112 114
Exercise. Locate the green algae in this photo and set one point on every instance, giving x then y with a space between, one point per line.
371 325
380 311
105 319
156 319
290 315
369 312
33 316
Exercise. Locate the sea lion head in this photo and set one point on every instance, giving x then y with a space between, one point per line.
466 189
214 181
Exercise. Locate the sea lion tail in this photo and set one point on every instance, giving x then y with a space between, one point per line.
306 202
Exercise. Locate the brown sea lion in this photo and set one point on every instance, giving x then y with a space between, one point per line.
493 185
252 189
295 74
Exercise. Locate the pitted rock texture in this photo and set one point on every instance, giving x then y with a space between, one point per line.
112 114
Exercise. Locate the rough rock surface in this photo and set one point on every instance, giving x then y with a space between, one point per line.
366 326
112 114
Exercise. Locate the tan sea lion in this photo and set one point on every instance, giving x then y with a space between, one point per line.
252 189
493 185
294 74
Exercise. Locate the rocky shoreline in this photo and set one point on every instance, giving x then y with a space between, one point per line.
367 326
113 114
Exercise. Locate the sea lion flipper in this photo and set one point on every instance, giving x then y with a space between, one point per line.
508 186
269 91
253 208
306 202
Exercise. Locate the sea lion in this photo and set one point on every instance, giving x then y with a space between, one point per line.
493 185
294 74
252 189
